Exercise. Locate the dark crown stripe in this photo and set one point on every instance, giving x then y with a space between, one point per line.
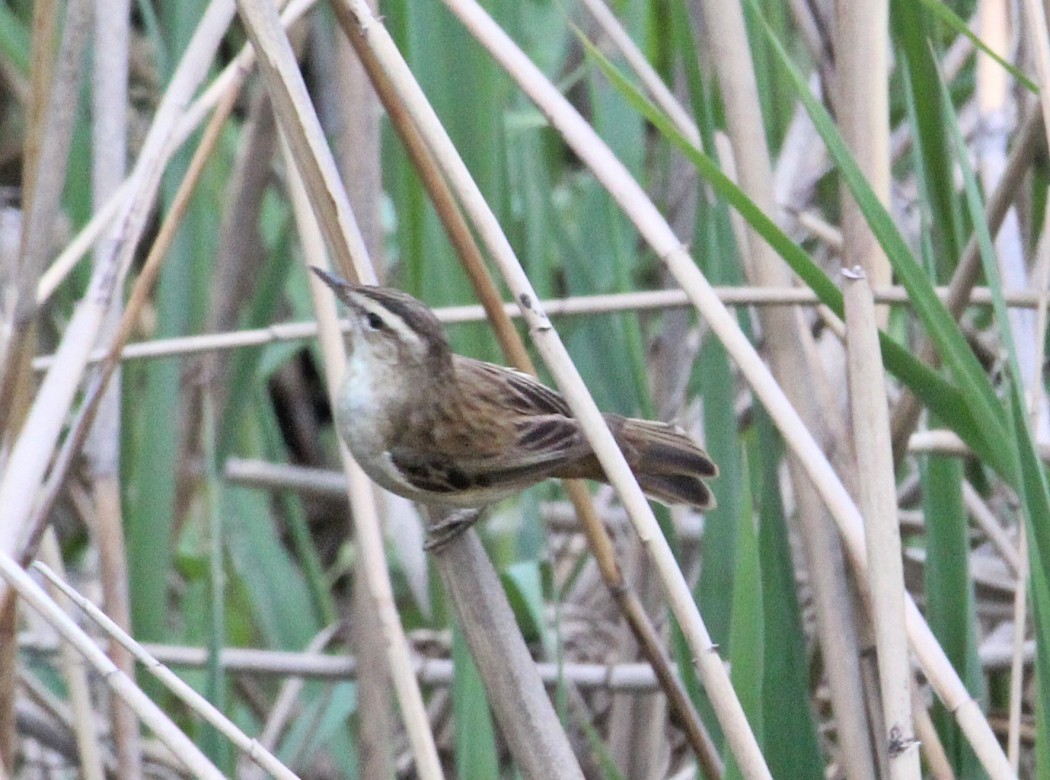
401 305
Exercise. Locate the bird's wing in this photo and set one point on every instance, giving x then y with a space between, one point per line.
541 446
511 431
513 390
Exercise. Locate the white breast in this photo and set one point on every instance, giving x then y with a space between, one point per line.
359 413
364 425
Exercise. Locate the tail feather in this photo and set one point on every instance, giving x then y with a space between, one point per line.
660 448
669 465
675 489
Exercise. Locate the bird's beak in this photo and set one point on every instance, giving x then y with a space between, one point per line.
339 285
342 289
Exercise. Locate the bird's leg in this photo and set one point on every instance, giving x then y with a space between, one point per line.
446 524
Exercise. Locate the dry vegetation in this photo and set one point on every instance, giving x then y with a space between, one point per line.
814 234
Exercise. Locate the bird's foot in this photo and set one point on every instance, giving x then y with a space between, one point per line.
445 525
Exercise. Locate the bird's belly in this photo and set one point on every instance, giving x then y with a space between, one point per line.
363 417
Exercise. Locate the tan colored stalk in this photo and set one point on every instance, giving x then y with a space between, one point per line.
140 293
67 259
229 80
112 21
1020 617
52 116
84 716
939 766
1026 142
515 352
355 127
862 75
523 710
35 444
180 745
55 75
654 229
362 499
878 500
650 79
303 132
47 124
789 344
171 681
635 676
629 676
555 307
727 706
991 527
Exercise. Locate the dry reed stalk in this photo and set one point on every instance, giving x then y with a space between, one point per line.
862 74
171 681
52 115
17 325
84 717
940 767
789 347
354 123
35 444
573 306
727 706
178 743
303 132
527 719
360 490
629 195
878 500
513 348
437 672
112 21
991 527
1020 617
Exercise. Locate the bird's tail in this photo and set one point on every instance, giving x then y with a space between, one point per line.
669 465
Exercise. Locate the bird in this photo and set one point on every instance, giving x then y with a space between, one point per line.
450 431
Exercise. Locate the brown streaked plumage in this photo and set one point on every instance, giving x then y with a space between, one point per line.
448 430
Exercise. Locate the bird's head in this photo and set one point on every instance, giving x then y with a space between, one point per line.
390 329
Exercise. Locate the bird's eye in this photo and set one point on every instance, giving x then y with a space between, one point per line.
375 322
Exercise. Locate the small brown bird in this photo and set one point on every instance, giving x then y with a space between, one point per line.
447 430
